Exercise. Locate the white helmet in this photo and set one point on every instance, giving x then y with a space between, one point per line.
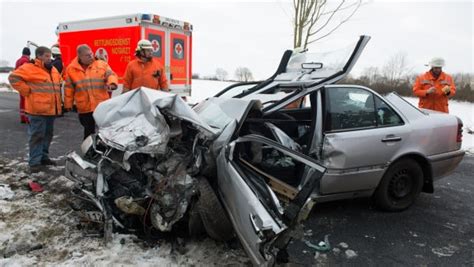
143 44
55 50
436 62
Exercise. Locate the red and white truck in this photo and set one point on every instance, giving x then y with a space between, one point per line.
114 39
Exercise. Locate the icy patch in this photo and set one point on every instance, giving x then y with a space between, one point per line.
350 254
450 225
343 245
56 168
445 251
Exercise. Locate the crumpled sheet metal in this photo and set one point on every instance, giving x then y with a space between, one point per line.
139 113
333 155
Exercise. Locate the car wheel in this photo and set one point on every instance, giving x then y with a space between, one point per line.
195 225
400 186
212 213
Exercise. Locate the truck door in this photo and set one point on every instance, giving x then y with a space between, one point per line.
179 57
157 39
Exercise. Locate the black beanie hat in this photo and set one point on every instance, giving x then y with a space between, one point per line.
26 51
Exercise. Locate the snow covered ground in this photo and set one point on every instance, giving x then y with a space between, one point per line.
3 81
41 229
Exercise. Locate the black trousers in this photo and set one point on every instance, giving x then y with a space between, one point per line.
87 121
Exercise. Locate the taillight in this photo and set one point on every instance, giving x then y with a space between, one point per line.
459 135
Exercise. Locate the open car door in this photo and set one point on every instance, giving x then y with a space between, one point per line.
266 188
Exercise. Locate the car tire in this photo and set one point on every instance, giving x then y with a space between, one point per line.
400 186
212 213
195 225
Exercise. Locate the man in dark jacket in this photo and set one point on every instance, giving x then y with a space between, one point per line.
25 58
57 60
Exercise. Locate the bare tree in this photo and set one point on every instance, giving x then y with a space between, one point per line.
221 74
371 75
315 19
396 69
463 79
243 74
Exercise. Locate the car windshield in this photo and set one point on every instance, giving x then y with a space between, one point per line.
213 115
317 65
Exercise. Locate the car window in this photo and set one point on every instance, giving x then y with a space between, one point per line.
386 116
349 108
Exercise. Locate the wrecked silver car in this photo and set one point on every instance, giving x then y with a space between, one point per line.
156 161
371 145
250 162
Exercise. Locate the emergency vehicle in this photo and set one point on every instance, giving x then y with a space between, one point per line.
114 40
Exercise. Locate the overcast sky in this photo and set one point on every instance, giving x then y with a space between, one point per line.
254 34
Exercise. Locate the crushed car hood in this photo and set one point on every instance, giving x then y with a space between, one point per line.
135 121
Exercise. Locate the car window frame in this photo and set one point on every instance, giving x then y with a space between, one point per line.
374 94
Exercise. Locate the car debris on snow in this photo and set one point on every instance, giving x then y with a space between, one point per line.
42 229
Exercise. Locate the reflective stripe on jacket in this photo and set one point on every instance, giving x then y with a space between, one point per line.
437 100
148 74
40 88
88 88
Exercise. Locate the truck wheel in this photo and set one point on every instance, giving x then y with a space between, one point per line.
400 186
212 213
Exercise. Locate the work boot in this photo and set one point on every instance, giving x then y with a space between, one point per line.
48 162
36 168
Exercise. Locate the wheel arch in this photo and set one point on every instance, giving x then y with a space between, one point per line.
425 167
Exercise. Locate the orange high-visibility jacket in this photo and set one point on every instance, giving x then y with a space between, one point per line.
149 74
437 100
87 87
40 87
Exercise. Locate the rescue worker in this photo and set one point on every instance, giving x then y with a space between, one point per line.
145 70
434 87
88 82
39 84
25 58
57 60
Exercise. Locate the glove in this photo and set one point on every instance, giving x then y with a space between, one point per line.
66 110
156 74
430 91
112 87
446 90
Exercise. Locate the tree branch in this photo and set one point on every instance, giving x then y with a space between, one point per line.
340 23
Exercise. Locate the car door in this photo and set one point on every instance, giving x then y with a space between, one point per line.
262 207
361 135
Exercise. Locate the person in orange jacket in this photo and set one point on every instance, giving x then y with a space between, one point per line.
39 84
145 70
25 58
434 87
88 83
